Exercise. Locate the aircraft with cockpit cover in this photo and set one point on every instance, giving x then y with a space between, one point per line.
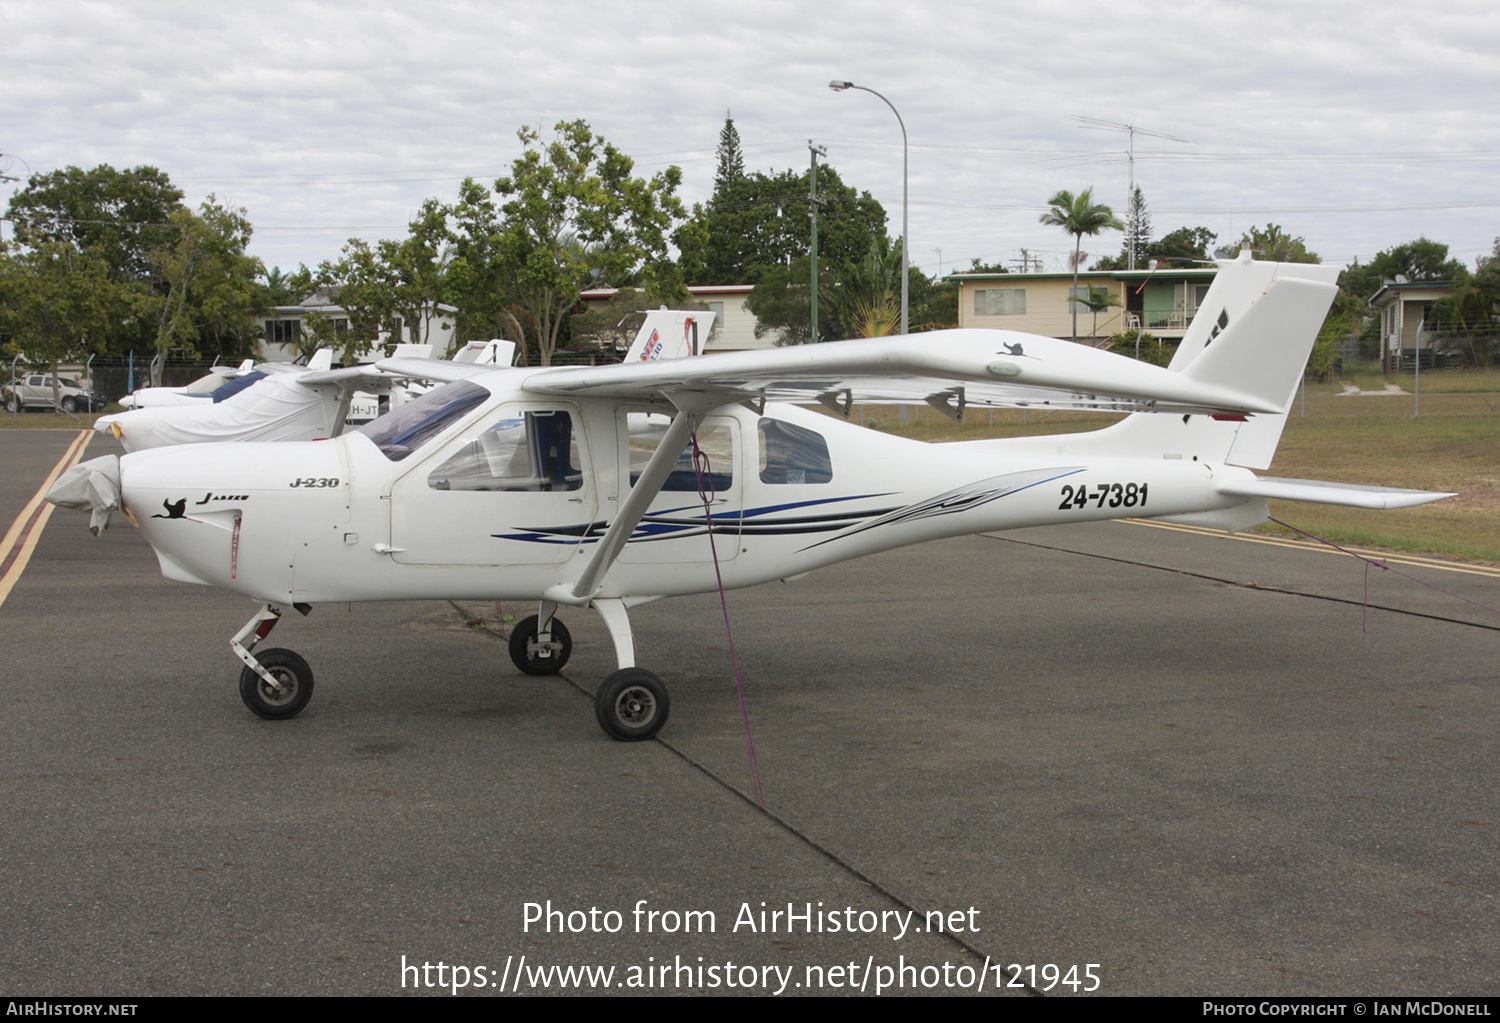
281 402
607 487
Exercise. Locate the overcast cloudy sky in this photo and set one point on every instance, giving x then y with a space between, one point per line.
1357 125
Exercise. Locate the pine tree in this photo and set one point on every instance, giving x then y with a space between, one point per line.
1138 229
731 160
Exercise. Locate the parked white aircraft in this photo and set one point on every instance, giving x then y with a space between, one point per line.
607 487
199 392
282 402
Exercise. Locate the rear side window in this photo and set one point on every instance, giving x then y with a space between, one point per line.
793 454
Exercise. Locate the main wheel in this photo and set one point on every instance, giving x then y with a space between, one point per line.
546 661
294 677
632 705
12 404
70 405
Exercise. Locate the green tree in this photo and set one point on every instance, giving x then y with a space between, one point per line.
761 221
57 304
1142 345
1274 245
731 160
119 216
573 217
977 267
934 302
782 305
178 279
1137 238
1419 260
279 289
863 298
1099 300
1080 217
115 217
205 293
476 281
1184 245
392 286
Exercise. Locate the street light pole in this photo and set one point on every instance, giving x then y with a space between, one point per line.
838 86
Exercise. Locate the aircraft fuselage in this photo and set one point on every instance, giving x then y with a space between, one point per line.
341 520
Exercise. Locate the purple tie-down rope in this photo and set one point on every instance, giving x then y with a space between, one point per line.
1380 564
704 471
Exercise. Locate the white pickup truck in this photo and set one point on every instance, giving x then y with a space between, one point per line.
35 391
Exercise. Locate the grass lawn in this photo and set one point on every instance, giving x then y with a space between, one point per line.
52 420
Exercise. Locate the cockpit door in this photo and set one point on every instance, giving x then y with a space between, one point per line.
517 490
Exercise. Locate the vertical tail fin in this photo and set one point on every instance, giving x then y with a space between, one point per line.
670 334
1280 304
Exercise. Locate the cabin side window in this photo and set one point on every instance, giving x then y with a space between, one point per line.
526 452
793 454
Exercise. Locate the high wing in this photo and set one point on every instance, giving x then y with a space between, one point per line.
953 368
427 369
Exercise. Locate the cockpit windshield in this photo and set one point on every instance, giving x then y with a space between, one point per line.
415 423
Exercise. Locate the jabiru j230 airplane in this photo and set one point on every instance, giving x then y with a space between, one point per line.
608 487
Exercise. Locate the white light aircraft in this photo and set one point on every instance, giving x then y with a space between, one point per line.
608 487
199 392
282 402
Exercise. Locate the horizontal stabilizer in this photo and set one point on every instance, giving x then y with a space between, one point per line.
1350 495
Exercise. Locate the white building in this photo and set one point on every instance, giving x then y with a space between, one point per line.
734 324
285 324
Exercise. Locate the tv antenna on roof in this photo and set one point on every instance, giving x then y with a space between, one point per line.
1095 124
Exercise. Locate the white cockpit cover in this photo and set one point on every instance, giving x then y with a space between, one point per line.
276 408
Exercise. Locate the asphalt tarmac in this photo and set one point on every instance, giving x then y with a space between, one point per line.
1197 763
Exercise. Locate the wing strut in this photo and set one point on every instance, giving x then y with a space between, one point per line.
633 508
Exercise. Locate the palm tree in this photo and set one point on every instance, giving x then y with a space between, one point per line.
1099 300
1079 215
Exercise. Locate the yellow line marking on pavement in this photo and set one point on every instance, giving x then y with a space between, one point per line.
1410 560
27 529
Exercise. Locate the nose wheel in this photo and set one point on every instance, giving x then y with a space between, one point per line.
538 653
285 693
278 683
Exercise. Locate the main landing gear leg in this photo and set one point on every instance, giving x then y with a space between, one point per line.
277 684
632 703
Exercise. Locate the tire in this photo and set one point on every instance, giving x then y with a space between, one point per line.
288 669
632 705
69 405
525 633
12 404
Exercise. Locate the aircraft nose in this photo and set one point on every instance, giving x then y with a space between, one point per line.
92 486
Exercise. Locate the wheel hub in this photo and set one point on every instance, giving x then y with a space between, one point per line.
636 706
282 690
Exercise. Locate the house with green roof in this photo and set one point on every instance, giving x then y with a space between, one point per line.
1162 301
